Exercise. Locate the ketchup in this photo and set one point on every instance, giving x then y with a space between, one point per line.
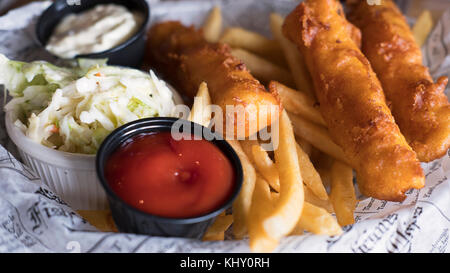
170 178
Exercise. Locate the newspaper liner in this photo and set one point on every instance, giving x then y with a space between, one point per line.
33 219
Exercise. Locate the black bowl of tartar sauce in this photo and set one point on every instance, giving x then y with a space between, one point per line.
95 29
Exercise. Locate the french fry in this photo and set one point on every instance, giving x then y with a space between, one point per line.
297 102
422 27
246 146
201 110
262 69
295 61
296 231
311 198
101 219
288 208
241 206
318 221
342 193
318 136
262 205
266 167
254 42
216 232
274 195
213 25
310 176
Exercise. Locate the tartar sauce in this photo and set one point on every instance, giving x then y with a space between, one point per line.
98 29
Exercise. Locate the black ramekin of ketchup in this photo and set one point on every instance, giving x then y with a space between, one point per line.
169 184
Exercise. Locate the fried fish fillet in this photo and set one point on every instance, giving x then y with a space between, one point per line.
419 106
184 56
352 101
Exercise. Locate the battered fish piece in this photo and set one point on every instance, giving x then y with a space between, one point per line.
352 101
419 106
188 59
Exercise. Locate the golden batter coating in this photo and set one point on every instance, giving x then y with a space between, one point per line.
352 101
419 106
187 59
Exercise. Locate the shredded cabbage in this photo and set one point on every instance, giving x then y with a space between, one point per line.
74 109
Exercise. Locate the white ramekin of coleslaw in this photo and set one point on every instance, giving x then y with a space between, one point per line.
58 117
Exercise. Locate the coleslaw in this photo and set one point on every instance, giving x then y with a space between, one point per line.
74 109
